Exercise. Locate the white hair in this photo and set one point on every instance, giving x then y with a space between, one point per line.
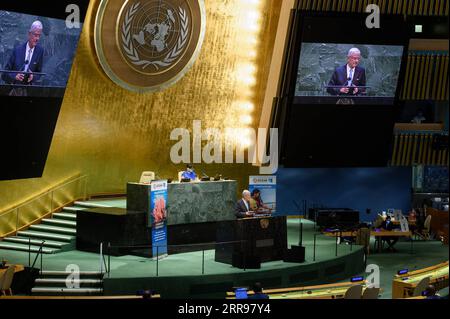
354 51
246 192
37 25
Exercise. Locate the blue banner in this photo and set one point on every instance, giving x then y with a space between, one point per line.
266 186
158 218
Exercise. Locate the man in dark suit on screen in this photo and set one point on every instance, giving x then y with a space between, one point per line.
242 209
27 57
348 79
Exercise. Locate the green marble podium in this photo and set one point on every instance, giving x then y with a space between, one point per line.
190 203
193 211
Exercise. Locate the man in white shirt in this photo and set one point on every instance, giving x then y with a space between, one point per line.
349 79
27 57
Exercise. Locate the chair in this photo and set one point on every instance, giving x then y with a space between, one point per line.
378 221
7 281
371 293
363 238
354 292
147 177
421 286
424 233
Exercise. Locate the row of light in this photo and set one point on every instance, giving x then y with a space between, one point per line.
246 70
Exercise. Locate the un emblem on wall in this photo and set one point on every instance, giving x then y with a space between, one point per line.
148 45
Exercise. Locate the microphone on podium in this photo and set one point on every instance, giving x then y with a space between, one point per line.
205 177
24 67
349 81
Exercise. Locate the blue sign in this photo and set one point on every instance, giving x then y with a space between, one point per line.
266 186
158 218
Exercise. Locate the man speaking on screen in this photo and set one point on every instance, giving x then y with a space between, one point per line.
350 79
27 57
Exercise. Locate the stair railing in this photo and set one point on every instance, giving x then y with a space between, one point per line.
50 206
39 253
104 267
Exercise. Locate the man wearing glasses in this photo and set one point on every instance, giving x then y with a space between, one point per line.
26 58
349 79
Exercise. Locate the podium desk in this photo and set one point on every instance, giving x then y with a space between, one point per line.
193 211
259 238
118 226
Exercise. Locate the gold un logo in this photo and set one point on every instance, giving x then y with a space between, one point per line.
148 45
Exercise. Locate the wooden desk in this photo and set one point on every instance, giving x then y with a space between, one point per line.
329 291
17 268
377 234
373 233
403 285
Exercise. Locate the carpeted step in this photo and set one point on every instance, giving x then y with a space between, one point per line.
63 282
64 274
46 235
59 223
73 209
90 205
65 216
21 247
56 291
54 229
36 242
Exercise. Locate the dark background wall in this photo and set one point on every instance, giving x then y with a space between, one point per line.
355 188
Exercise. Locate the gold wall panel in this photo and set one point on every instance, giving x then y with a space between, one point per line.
112 135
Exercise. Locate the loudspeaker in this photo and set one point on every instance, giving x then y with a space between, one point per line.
295 255
247 262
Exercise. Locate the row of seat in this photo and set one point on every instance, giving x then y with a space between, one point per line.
6 280
356 292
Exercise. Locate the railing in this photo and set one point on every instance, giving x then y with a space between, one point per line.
158 262
211 246
39 253
407 7
35 209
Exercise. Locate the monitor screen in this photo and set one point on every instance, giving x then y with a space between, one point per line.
402 272
346 73
36 54
241 293
357 279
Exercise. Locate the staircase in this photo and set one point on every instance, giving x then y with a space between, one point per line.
58 232
53 283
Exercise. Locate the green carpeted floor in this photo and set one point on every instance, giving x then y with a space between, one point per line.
425 254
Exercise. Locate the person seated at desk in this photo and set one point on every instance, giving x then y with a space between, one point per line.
257 289
389 226
260 206
243 208
189 173
430 293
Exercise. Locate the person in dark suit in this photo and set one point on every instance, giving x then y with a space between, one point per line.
348 77
258 292
27 57
243 208
391 241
